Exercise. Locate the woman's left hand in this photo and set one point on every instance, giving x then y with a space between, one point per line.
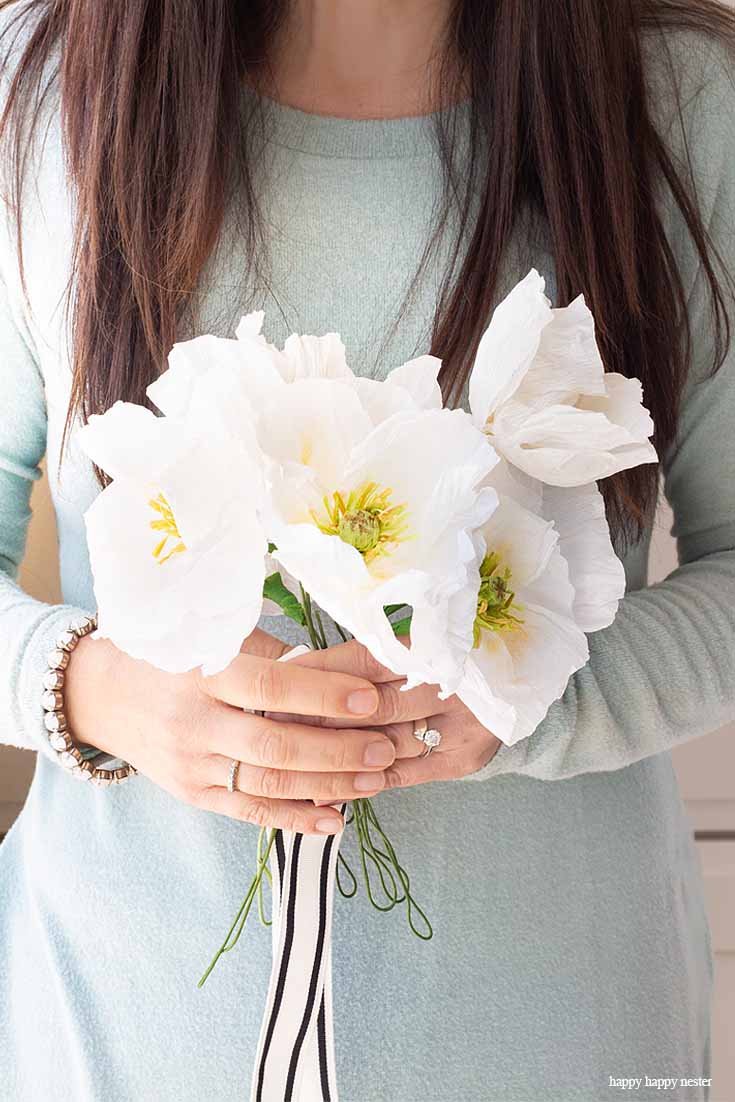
465 747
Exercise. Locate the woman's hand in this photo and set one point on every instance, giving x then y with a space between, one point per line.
466 745
183 730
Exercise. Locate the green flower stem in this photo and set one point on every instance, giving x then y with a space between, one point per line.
306 602
264 921
370 821
342 864
320 625
242 914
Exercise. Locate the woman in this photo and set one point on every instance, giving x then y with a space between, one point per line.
177 163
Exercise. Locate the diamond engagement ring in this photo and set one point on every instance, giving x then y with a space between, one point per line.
232 775
428 735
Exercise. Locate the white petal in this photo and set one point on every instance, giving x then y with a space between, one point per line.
338 581
250 326
188 363
551 589
315 423
523 541
129 583
565 445
508 346
419 378
510 481
595 571
442 635
568 363
381 401
476 691
622 404
323 564
526 670
310 357
434 462
211 643
207 485
129 441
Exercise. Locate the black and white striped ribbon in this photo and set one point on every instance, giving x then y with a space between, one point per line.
295 1058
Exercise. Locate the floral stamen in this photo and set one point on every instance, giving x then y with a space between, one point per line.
495 600
166 523
366 519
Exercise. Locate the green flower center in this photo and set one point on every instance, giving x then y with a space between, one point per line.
366 519
496 608
361 529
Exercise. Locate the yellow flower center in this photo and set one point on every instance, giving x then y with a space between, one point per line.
165 522
495 601
366 519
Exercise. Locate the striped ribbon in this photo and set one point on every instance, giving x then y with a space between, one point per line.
295 1058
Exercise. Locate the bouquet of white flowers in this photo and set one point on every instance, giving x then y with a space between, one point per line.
466 550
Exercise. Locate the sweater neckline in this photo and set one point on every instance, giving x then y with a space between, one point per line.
339 137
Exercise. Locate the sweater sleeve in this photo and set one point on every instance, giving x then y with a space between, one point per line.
664 671
28 628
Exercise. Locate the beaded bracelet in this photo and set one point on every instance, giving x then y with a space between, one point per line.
80 760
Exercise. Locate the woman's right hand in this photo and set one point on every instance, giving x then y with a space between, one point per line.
183 730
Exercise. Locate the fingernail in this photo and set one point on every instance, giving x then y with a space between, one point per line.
379 753
368 782
363 702
329 826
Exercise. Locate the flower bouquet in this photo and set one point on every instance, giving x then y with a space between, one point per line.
464 549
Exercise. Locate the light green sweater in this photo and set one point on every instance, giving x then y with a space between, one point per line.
571 943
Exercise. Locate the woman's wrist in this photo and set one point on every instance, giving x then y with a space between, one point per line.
73 668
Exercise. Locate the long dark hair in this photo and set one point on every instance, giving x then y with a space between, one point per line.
151 94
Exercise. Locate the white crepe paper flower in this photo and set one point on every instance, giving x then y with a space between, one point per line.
545 575
525 643
539 389
365 517
578 514
176 545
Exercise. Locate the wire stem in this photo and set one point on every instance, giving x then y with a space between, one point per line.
244 911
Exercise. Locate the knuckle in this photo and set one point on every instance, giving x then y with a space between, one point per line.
339 752
390 704
366 664
328 703
336 784
256 811
272 748
266 687
396 777
294 822
272 783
